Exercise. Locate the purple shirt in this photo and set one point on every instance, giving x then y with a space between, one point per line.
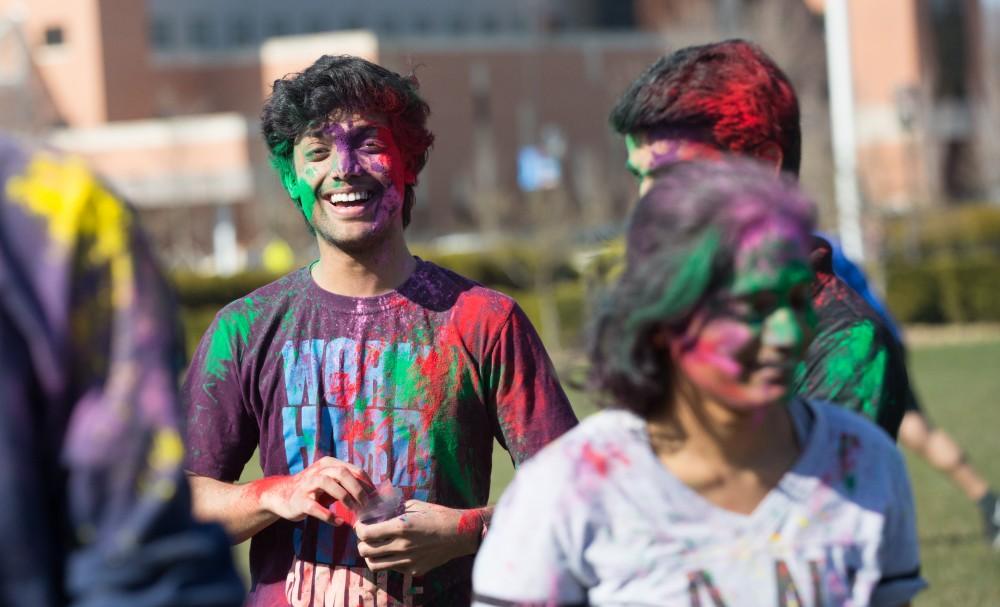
412 386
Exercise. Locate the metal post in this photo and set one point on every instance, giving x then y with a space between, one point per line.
848 196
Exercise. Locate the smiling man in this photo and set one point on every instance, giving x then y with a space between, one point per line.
373 382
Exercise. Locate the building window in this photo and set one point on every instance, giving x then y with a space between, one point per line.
489 24
421 25
388 25
54 36
161 32
278 27
315 23
200 32
241 32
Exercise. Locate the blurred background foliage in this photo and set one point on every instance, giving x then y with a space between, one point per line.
943 269
943 266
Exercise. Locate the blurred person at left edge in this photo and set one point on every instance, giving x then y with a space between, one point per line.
94 505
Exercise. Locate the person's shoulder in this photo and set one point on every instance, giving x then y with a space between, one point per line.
840 308
599 446
839 422
265 300
466 292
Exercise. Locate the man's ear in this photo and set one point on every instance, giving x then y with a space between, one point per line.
770 153
409 176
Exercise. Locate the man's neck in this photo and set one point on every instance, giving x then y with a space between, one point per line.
363 274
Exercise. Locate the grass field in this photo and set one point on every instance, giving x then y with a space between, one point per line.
960 390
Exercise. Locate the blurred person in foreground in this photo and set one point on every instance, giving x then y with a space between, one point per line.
94 504
702 101
917 432
373 382
705 480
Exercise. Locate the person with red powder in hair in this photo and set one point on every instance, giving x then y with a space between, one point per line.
730 96
702 101
373 382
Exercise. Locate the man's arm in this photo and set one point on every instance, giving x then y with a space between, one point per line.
244 510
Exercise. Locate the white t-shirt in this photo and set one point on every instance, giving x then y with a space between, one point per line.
595 518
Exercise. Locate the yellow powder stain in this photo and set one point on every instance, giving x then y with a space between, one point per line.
78 212
165 455
167 450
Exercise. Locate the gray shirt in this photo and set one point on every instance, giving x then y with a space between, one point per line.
596 518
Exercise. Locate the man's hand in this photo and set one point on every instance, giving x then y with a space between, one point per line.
312 491
424 537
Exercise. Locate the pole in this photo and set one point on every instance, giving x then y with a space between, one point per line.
848 196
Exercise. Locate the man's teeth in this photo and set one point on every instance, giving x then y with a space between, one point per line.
349 197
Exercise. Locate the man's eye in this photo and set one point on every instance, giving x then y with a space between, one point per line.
317 154
763 304
373 145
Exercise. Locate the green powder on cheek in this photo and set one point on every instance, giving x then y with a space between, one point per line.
306 198
299 191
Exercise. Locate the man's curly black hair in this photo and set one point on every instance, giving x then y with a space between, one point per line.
302 101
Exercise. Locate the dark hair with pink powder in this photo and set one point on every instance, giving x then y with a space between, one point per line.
300 102
680 248
729 92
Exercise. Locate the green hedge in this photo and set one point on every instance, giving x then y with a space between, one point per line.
963 231
571 306
954 290
198 290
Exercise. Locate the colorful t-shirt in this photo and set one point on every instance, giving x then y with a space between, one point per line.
596 519
94 504
412 386
854 359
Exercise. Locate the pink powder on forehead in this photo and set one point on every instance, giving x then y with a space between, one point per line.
791 238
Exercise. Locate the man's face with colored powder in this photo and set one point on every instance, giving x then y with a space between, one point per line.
651 150
743 344
351 179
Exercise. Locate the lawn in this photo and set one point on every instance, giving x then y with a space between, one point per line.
960 389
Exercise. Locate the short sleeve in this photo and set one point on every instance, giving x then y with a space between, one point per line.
530 406
221 432
859 366
899 554
526 557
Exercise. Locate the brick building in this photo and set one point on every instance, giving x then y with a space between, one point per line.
162 97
